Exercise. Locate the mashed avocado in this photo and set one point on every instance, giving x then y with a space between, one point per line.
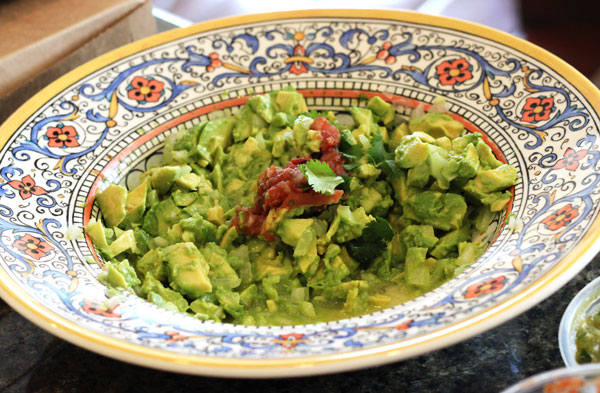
279 216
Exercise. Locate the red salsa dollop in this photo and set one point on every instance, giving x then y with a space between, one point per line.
287 187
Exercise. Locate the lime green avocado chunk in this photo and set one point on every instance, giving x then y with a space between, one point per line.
120 275
351 224
411 152
444 211
437 125
124 242
135 205
383 110
163 297
487 185
291 229
188 269
290 102
264 106
112 204
221 274
163 178
96 232
248 124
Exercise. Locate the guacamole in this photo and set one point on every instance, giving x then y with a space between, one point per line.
587 339
279 215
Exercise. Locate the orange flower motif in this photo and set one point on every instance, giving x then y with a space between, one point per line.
26 187
214 62
32 246
145 90
453 72
298 67
561 217
537 109
174 336
571 160
93 307
290 340
62 136
483 288
384 53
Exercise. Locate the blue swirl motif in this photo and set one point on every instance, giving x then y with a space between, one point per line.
299 60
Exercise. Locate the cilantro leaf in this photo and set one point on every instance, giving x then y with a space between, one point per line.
371 244
349 150
347 180
381 158
313 113
320 176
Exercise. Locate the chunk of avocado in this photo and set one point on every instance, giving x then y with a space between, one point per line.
486 186
217 133
305 252
263 106
163 297
125 241
119 274
363 119
152 262
290 102
248 124
181 147
384 110
437 125
112 204
190 181
447 245
188 269
352 223
416 271
443 211
162 179
291 229
135 205
221 274
411 152
96 232
205 310
486 156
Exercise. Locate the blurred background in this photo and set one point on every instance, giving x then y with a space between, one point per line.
569 29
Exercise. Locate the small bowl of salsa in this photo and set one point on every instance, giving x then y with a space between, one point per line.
578 379
579 331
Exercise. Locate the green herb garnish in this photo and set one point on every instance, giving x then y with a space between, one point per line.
320 176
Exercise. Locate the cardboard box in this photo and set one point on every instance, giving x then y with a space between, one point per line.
40 40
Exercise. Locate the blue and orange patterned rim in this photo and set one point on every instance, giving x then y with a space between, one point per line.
582 253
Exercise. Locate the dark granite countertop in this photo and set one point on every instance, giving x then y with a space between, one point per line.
32 360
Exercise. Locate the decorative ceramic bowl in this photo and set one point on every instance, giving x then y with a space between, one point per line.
107 120
587 299
579 379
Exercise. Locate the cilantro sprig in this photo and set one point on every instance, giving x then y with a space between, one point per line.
381 158
372 241
320 176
